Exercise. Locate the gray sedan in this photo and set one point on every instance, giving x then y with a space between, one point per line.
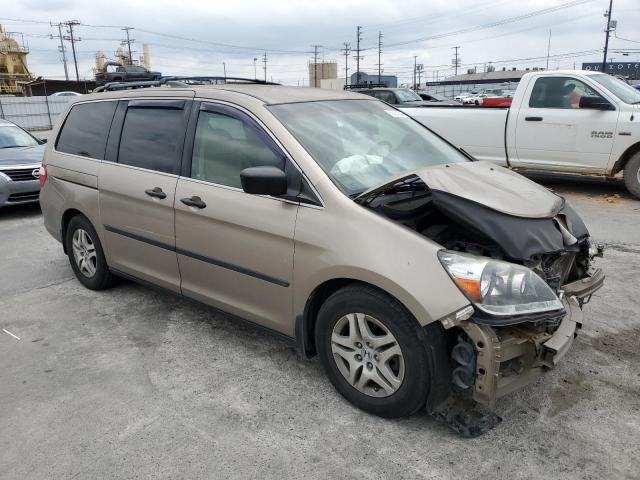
20 159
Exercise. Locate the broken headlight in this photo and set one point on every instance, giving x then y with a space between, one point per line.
497 288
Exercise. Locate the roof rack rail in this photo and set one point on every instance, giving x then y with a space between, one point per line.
180 81
358 86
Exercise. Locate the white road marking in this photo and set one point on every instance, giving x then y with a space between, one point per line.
9 333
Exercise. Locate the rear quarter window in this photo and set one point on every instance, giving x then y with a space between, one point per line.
86 129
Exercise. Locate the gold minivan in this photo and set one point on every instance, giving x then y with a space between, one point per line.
414 272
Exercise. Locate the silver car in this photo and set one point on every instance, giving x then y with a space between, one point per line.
419 276
20 159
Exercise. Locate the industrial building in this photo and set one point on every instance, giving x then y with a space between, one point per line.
13 65
322 71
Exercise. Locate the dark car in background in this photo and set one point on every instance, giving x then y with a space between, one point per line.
20 160
114 72
403 96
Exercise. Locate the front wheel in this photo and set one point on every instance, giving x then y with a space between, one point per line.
373 352
632 175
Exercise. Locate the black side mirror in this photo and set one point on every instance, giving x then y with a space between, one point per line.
266 180
595 103
42 140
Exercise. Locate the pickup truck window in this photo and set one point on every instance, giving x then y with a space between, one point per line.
560 92
385 96
620 89
362 143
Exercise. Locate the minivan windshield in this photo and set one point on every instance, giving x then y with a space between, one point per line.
362 143
13 137
620 89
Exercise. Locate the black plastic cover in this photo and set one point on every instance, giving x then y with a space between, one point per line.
520 238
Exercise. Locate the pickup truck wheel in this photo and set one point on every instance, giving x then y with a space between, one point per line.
632 175
373 352
86 255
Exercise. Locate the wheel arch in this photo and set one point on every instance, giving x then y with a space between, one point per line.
305 322
624 158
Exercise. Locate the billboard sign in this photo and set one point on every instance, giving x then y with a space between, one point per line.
627 69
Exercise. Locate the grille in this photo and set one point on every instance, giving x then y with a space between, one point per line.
23 197
20 174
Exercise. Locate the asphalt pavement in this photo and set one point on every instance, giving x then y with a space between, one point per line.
133 383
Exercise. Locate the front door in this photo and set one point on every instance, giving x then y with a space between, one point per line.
554 133
137 187
235 250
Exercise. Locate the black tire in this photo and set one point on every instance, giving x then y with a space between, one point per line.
102 278
632 175
412 393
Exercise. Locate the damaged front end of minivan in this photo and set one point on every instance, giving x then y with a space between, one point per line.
517 251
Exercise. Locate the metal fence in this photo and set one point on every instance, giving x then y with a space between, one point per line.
32 113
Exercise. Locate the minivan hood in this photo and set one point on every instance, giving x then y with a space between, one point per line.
21 155
487 184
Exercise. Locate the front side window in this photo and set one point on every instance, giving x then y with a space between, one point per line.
152 139
560 92
407 95
224 146
362 143
86 129
13 137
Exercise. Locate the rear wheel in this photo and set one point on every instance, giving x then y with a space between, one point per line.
86 255
373 352
632 175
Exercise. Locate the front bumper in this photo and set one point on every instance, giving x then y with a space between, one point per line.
17 192
510 357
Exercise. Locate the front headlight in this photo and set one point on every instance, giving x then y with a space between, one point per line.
499 288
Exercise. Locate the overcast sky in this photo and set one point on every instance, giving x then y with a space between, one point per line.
509 33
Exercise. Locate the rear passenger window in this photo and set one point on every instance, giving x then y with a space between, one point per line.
86 129
224 146
152 138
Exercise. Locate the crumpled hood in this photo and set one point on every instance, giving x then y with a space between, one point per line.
490 185
21 155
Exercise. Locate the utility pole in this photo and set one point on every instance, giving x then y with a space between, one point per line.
315 66
548 50
419 69
379 57
358 56
456 61
606 38
70 24
224 69
415 59
128 42
255 71
62 49
346 51
264 61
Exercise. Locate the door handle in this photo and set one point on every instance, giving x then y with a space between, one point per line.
533 119
194 202
156 192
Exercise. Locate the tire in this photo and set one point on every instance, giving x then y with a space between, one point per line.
351 305
632 175
93 272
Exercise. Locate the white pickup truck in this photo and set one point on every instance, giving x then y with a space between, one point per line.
560 121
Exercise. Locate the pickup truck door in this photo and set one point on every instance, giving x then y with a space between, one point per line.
552 132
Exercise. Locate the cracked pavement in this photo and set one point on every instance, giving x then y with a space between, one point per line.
132 383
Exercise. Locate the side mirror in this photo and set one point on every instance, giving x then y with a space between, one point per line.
595 103
42 140
266 180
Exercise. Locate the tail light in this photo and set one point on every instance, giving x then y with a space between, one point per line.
43 175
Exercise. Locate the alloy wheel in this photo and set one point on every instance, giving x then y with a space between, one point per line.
84 253
367 355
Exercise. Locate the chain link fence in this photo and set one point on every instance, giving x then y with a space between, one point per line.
33 113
